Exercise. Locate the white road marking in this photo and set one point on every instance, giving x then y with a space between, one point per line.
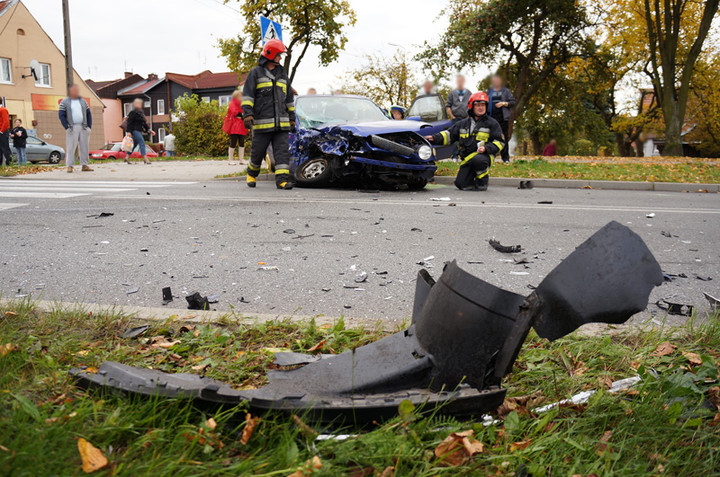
39 195
62 189
10 205
50 183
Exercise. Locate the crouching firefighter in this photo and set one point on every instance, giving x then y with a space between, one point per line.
479 139
269 109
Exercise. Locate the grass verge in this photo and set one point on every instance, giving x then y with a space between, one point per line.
11 171
666 425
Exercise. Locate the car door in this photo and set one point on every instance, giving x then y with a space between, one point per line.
430 108
35 150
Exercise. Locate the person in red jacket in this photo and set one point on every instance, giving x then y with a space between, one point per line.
235 127
550 149
4 136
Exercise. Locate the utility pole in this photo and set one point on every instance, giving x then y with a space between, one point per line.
69 77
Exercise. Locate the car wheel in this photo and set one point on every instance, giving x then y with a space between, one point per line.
111 158
54 157
313 173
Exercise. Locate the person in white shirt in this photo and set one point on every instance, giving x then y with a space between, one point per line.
169 144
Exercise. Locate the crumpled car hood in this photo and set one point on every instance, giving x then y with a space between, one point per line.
382 127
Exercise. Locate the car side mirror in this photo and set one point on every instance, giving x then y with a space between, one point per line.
414 118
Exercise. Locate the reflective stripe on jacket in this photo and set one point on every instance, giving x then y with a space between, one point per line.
268 98
468 133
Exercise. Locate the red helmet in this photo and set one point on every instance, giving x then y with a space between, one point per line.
273 48
479 96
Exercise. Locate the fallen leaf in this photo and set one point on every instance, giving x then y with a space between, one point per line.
519 404
92 457
520 445
317 347
211 424
714 396
458 448
91 370
6 349
250 424
10 313
388 472
309 468
3 448
664 349
162 342
603 444
82 353
693 358
605 381
304 428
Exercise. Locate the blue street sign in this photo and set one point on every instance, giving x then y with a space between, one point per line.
270 30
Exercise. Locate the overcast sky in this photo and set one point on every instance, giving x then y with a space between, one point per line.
179 36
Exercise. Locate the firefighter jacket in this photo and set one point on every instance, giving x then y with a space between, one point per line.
469 133
268 98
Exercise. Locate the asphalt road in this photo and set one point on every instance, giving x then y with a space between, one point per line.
295 252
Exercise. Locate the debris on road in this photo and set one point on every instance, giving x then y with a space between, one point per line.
267 268
361 277
465 336
545 202
714 303
526 185
289 231
167 295
132 290
440 199
650 215
504 248
197 302
135 332
101 215
680 309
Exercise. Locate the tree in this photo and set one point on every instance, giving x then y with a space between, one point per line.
320 23
530 38
386 81
704 106
676 32
198 130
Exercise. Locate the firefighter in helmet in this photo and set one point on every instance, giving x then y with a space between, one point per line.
479 138
269 109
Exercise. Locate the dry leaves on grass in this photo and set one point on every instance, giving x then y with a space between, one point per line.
520 445
306 430
317 347
521 404
8 348
161 342
603 444
664 349
92 457
714 396
458 448
250 425
693 358
309 468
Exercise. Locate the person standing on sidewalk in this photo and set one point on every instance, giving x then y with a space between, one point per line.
235 128
5 158
19 137
456 105
136 125
169 145
269 109
501 100
75 117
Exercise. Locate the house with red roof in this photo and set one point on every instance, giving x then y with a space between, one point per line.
159 95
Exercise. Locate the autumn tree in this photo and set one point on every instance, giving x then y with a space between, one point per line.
321 23
386 81
530 37
676 32
704 106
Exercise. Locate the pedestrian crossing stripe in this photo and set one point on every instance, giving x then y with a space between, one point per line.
11 205
12 188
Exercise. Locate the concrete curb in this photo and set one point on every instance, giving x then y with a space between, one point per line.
563 184
183 315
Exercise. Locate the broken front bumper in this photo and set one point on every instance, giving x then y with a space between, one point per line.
464 338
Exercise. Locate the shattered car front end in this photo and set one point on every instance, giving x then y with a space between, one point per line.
464 337
348 139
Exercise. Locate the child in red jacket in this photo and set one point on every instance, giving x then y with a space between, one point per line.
235 128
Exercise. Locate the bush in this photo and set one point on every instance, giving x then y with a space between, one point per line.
583 147
199 132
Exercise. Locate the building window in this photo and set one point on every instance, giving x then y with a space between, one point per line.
43 76
127 107
161 134
206 99
5 71
224 100
146 104
160 106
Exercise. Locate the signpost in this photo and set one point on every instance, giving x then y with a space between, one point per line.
270 30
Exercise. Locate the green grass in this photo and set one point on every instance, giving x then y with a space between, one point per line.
15 170
687 171
660 427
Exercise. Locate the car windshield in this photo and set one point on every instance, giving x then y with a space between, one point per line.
428 108
314 111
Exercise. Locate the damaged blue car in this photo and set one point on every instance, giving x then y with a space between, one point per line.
349 140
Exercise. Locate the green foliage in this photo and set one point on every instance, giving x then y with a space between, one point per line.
583 147
320 23
387 81
199 128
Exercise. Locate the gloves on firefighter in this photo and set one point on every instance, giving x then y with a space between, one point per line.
249 121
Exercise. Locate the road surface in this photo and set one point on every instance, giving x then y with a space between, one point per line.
300 251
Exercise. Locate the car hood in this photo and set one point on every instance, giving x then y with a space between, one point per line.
382 127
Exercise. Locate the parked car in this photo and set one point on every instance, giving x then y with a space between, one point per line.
342 139
113 151
430 108
38 150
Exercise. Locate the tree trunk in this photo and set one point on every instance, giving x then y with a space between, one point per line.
673 130
622 145
536 144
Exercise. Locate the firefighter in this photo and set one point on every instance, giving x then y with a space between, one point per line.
269 109
479 138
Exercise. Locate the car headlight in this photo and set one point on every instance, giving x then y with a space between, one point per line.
425 152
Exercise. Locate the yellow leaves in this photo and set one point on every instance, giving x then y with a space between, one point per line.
8 348
603 444
519 404
458 448
664 349
162 342
317 347
211 424
309 468
693 358
250 425
520 445
92 457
